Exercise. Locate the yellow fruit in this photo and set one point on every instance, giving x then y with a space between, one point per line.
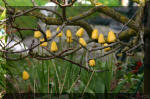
59 34
82 42
92 62
111 37
106 49
54 47
42 39
48 34
69 40
43 44
25 75
119 54
101 39
94 34
98 4
68 34
37 34
80 32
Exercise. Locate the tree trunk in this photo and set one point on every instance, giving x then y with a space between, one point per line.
147 50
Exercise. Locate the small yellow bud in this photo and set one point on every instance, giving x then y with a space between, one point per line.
98 4
42 39
101 39
25 75
37 34
82 42
119 54
69 39
111 37
54 47
44 43
94 34
106 49
92 62
48 34
68 34
59 34
80 32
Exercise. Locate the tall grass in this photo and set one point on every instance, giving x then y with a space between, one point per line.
59 76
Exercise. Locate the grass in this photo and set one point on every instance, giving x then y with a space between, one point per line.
42 2
23 2
58 76
61 77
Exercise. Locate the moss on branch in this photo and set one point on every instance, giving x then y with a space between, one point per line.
76 20
54 21
109 12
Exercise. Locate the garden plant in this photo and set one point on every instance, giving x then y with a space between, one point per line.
59 51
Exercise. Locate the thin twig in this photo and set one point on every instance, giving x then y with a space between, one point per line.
34 3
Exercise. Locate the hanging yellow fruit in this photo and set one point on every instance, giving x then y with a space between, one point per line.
82 42
54 47
48 34
80 32
106 49
111 37
92 62
25 75
59 34
68 34
101 39
94 34
37 34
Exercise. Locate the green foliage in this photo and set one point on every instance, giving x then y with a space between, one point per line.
24 2
59 77
26 22
104 2
109 2
2 73
3 15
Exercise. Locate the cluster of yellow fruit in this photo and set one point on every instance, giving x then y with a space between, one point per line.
95 36
54 48
100 37
79 34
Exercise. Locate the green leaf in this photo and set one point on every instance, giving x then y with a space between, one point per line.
119 86
24 2
3 15
99 85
